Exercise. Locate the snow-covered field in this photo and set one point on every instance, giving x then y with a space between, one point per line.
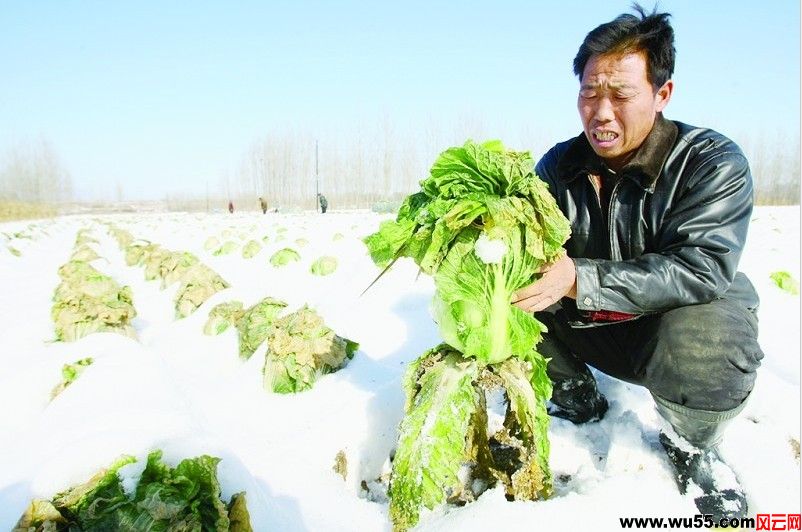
176 389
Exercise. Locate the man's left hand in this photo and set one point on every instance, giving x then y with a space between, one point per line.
558 281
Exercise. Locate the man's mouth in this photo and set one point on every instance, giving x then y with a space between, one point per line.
605 136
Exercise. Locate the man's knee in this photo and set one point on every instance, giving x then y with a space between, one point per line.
704 356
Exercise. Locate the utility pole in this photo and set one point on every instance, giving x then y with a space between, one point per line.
317 180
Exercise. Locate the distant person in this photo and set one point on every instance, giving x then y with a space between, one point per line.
324 204
649 291
231 207
263 204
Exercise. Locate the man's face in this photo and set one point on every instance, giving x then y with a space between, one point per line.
618 105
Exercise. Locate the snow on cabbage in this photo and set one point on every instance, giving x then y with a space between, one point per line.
222 316
250 249
284 256
174 266
83 237
300 347
84 253
69 373
255 325
87 301
197 281
324 265
482 225
198 284
228 247
184 497
123 237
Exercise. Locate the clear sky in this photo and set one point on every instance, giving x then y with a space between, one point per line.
164 96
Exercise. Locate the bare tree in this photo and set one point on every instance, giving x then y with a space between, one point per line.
32 172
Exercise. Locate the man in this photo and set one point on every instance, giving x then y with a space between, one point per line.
324 203
263 204
648 292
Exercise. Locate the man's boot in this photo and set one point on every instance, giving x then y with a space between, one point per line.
695 459
577 399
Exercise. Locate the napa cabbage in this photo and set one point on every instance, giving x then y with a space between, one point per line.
482 225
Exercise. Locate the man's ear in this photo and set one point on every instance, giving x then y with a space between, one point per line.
663 96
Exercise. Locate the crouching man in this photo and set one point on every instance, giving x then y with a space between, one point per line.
649 291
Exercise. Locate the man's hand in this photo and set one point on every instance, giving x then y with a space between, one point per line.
558 281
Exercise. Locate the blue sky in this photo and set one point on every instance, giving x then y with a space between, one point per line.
163 97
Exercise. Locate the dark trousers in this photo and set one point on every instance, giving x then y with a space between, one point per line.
702 357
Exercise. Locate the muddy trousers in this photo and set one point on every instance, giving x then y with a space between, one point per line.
698 361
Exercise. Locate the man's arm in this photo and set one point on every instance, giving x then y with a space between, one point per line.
700 243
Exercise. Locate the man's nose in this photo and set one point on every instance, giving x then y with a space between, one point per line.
604 111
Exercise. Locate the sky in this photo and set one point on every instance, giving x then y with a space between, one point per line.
165 97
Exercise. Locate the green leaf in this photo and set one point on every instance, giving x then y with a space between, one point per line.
198 284
153 263
478 192
472 301
300 349
238 515
174 266
222 316
93 502
388 242
87 301
70 372
256 323
786 282
528 387
40 516
432 444
226 248
166 499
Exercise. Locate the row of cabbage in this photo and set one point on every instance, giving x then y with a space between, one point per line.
323 265
184 497
300 347
198 282
87 300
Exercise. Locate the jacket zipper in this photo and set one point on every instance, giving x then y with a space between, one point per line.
610 224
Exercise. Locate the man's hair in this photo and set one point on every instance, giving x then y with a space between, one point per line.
651 33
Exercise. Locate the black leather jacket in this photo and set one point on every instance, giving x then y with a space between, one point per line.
675 227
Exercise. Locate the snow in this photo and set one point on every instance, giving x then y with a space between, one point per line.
186 393
490 251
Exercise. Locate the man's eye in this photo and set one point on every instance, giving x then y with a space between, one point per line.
587 94
623 97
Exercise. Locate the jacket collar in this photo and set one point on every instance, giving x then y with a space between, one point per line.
644 167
